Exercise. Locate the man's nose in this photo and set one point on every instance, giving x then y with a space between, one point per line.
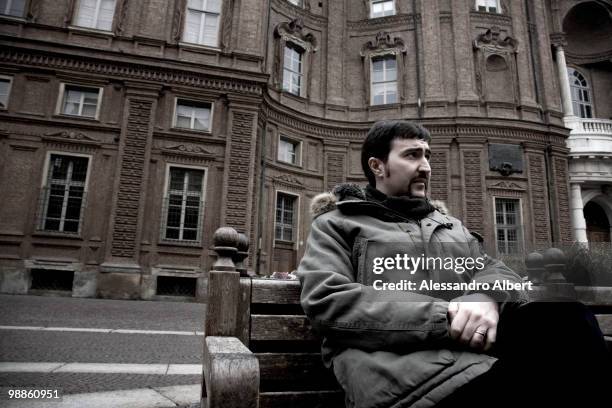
425 167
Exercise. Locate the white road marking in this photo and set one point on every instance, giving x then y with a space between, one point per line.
101 330
101 368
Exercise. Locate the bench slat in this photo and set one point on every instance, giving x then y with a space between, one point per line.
295 372
275 291
281 327
303 399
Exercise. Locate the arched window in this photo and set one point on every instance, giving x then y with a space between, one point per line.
581 95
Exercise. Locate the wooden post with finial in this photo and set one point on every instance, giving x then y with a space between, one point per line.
546 271
557 287
223 286
241 254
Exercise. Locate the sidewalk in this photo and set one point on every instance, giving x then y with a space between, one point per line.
183 396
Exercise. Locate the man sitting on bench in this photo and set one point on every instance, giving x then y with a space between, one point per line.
413 313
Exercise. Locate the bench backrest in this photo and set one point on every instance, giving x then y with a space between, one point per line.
291 370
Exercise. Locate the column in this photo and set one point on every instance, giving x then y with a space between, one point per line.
464 59
577 214
336 40
566 96
431 51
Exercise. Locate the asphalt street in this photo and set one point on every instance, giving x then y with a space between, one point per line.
99 345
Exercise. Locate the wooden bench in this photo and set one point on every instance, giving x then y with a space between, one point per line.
260 351
259 348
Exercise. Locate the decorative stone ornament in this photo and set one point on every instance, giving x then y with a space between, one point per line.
225 241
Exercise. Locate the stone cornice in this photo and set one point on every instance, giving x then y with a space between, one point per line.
588 59
490 18
289 9
127 71
405 21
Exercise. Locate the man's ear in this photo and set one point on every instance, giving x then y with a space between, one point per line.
377 166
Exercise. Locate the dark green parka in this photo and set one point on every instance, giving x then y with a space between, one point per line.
389 350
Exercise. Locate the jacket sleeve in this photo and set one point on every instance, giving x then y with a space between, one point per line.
494 271
350 314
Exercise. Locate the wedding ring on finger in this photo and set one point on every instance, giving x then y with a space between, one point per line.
483 333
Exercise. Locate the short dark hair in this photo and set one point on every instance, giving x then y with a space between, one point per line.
381 135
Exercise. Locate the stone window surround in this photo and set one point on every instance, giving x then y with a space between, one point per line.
225 25
164 206
220 16
296 216
60 100
483 3
519 222
299 147
292 33
45 182
193 101
383 57
381 47
119 18
490 44
369 8
8 93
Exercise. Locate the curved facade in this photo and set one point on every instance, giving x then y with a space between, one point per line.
184 116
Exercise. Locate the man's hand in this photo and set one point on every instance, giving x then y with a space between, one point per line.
473 320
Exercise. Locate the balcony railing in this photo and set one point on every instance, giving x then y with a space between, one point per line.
590 137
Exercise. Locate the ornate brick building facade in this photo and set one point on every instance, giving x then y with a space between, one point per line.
131 130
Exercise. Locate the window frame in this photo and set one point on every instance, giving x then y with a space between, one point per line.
519 226
372 83
77 9
296 219
297 143
165 201
371 6
487 9
8 94
11 16
59 109
183 36
195 102
586 89
301 75
44 197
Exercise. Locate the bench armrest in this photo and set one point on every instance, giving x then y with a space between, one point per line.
231 374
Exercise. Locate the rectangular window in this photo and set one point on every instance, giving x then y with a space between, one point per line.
202 22
5 91
96 14
184 205
298 3
13 8
80 101
284 221
289 150
381 8
508 225
63 195
292 70
384 80
491 6
192 115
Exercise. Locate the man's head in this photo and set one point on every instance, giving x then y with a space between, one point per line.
395 158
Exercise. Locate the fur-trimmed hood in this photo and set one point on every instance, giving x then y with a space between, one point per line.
327 201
